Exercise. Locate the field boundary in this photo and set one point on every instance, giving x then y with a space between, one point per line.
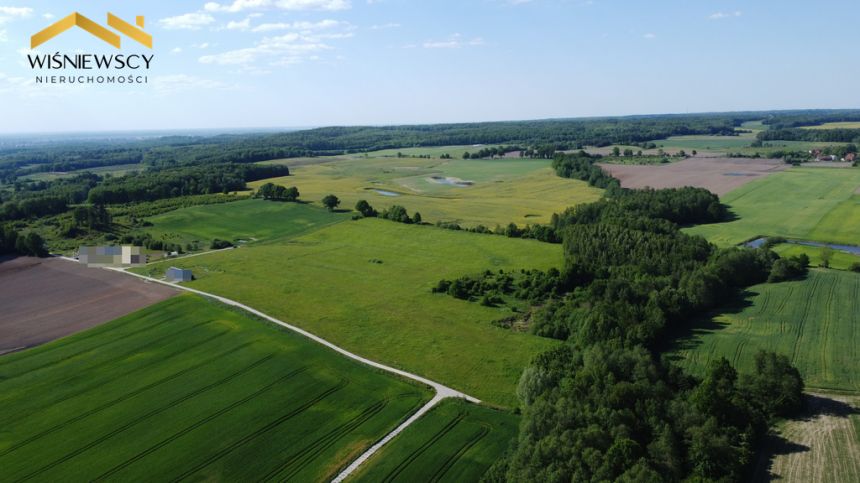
442 391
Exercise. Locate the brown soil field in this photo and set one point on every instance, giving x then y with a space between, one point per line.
719 175
821 446
45 299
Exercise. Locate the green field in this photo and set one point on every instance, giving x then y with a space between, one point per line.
836 125
188 389
117 170
366 286
248 220
839 260
456 442
802 203
501 191
815 322
706 143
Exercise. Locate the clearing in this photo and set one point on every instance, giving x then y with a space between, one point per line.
248 220
815 322
47 298
821 446
802 203
502 190
718 175
456 441
189 389
366 286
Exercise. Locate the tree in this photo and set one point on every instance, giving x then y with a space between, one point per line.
291 194
616 151
365 209
31 244
826 256
416 218
331 202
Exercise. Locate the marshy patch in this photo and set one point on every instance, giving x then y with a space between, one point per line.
450 181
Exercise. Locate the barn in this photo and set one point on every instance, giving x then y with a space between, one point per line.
179 275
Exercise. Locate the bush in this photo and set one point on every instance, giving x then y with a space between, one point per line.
855 267
220 244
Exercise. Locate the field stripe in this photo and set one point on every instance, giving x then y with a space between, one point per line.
265 429
148 415
198 424
421 449
307 454
135 350
451 460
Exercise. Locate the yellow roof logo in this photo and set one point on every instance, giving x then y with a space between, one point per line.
77 20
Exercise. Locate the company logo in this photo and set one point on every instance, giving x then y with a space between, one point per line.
78 20
76 68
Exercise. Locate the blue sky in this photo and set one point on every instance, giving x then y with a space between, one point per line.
291 63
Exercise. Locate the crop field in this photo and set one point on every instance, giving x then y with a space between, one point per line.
815 322
366 286
835 125
456 441
706 143
43 299
117 170
470 192
719 175
248 220
821 446
801 203
188 389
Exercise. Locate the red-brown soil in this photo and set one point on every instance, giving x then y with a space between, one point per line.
45 299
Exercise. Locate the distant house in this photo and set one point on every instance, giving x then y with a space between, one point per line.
850 157
111 256
176 275
828 158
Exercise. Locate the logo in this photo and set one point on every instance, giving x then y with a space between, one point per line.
78 20
121 68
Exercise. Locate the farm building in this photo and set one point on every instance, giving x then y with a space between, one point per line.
179 275
850 157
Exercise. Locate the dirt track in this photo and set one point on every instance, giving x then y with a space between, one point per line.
45 299
718 175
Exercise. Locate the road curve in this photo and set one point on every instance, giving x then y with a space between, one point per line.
442 391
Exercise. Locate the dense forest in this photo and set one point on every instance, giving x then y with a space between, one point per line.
607 406
811 135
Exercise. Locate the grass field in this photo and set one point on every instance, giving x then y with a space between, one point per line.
366 286
249 220
187 389
822 445
118 170
839 261
801 203
456 442
815 322
706 143
501 190
835 125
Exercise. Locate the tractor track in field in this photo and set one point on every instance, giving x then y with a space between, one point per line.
198 424
391 476
144 417
451 460
442 392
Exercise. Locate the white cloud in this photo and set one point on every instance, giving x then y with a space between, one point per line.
301 26
455 41
725 15
242 5
16 11
239 25
47 15
3 37
649 36
285 49
202 45
188 21
176 50
385 26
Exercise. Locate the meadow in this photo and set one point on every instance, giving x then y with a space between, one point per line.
252 220
500 191
815 322
456 441
835 125
366 286
839 260
189 389
803 203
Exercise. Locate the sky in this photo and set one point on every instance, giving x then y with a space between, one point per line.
224 64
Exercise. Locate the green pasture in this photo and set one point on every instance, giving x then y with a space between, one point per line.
835 125
366 286
248 220
522 191
189 389
456 441
839 260
814 322
802 203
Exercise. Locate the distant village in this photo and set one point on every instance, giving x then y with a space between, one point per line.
819 156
